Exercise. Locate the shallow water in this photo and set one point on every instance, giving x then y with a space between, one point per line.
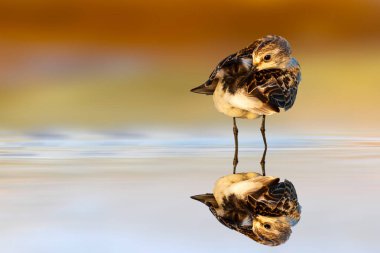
125 192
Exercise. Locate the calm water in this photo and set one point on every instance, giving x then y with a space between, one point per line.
128 192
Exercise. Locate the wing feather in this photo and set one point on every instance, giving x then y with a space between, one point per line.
279 199
275 87
233 66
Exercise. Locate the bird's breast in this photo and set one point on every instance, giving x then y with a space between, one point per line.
222 104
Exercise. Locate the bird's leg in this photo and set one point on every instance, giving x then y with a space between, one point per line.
262 129
235 129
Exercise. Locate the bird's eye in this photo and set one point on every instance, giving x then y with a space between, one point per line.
267 226
267 57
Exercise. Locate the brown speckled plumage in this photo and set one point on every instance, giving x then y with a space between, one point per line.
264 198
257 81
233 66
276 86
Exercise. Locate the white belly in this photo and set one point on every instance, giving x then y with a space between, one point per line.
239 105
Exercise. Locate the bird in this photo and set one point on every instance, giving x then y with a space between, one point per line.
254 82
260 207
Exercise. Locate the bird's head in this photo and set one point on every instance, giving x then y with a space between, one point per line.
273 52
271 231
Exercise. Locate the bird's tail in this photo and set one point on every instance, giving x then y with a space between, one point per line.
206 88
208 199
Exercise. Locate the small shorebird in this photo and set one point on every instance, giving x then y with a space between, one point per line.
260 207
256 81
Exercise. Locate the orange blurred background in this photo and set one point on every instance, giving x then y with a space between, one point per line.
130 64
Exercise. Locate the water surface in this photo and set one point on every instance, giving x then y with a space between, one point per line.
126 192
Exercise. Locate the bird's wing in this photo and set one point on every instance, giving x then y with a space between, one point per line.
230 223
229 69
226 222
286 195
246 230
279 199
274 87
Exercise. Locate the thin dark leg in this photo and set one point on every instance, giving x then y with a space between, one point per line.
262 129
235 129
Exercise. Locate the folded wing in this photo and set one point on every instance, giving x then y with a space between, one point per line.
232 68
279 199
274 87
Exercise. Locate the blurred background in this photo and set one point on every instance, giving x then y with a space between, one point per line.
128 64
101 142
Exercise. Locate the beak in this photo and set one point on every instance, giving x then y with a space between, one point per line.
254 67
255 64
207 88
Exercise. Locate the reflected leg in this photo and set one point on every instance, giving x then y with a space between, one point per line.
262 129
235 129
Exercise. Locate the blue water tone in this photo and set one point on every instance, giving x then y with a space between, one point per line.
111 144
128 191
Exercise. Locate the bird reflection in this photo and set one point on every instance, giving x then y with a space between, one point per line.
260 207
